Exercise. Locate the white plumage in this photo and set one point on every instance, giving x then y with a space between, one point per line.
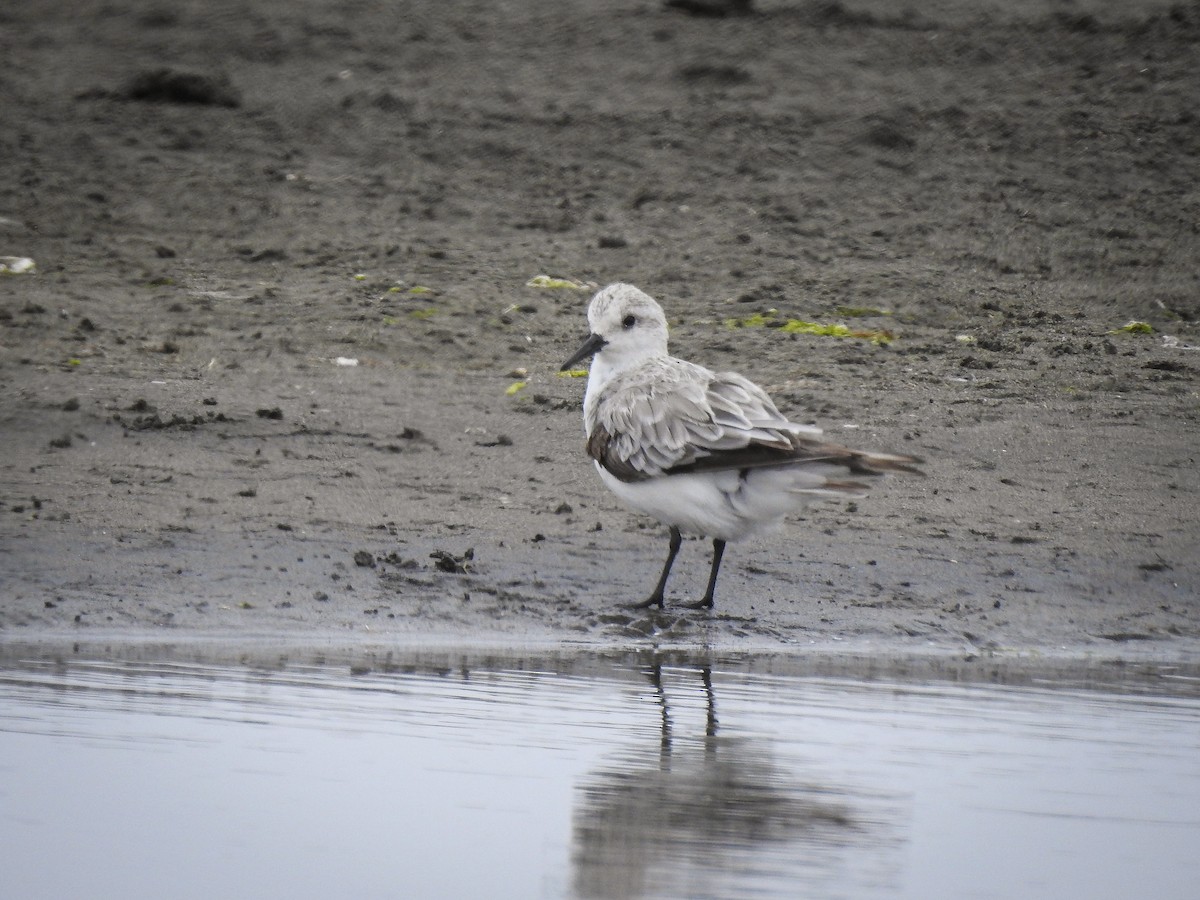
703 452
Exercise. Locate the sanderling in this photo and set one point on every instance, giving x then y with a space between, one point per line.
703 452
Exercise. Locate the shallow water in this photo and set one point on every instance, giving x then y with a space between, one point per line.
629 776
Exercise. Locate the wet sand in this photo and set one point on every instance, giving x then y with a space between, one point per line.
999 189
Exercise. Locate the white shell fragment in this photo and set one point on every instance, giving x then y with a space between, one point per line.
17 265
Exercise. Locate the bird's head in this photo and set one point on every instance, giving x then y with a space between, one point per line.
627 326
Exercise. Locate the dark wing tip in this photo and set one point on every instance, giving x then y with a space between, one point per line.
880 463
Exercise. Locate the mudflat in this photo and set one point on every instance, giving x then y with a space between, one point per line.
285 367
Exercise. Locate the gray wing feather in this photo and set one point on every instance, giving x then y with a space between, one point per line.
671 413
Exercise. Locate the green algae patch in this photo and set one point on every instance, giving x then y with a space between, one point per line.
798 326
758 320
1134 327
549 282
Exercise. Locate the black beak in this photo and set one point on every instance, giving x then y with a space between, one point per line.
592 345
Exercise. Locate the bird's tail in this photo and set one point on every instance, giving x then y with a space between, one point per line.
864 463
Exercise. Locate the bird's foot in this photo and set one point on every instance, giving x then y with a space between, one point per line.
702 603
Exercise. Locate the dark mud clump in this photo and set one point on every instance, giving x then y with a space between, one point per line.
174 86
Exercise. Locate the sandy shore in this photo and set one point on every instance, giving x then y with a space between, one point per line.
997 191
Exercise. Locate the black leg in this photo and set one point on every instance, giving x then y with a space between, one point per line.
706 602
656 599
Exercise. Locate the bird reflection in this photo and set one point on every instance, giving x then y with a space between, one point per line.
682 817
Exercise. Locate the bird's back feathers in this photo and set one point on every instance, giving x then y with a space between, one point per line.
669 417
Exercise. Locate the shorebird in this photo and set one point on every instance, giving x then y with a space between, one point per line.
704 452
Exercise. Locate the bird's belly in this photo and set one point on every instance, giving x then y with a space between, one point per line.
712 504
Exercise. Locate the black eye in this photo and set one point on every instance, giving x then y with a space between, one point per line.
628 322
